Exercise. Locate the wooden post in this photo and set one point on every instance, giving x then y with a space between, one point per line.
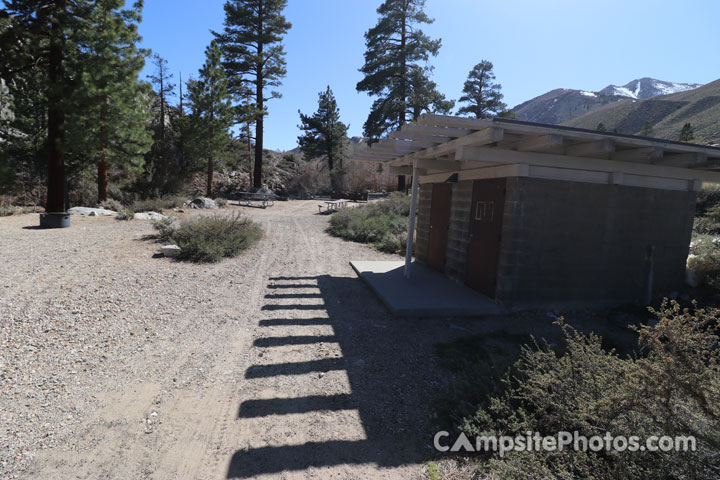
411 226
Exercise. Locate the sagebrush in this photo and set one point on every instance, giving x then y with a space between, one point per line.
210 238
671 387
383 224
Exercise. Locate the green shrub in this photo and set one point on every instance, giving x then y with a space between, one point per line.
212 238
383 223
672 387
221 202
157 204
165 227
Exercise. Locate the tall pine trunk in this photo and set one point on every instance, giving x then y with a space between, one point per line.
56 115
102 179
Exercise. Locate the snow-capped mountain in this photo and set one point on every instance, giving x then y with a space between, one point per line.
563 104
646 88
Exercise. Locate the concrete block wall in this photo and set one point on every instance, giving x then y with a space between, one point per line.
459 231
422 225
567 243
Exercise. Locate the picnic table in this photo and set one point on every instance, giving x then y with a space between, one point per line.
265 199
333 205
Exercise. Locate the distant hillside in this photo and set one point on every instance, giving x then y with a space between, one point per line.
563 104
560 105
644 88
667 114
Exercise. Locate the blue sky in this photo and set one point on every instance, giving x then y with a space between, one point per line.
535 45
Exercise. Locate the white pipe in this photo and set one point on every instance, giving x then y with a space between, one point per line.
411 226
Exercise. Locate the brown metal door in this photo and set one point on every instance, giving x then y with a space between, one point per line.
439 225
488 205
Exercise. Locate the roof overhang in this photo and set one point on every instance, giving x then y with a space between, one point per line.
439 146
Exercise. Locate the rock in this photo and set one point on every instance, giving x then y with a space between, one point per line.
203 202
171 251
149 216
93 212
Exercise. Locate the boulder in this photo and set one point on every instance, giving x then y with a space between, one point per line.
171 251
203 202
93 212
149 216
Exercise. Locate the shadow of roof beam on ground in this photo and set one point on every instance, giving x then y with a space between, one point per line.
296 368
300 322
287 406
293 295
292 278
319 306
265 460
294 285
294 340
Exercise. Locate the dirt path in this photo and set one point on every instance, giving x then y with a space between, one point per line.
277 364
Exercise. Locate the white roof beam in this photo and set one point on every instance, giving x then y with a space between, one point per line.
480 138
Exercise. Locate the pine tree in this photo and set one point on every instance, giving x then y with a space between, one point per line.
211 111
396 55
23 70
44 34
325 135
111 128
254 60
601 127
395 68
687 134
482 96
647 129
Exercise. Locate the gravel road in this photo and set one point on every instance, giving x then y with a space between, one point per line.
277 364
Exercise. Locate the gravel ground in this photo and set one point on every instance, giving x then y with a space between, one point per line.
280 363
277 364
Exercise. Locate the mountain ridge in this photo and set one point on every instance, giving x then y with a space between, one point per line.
563 104
665 113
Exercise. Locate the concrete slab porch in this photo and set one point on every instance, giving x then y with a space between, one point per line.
426 294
